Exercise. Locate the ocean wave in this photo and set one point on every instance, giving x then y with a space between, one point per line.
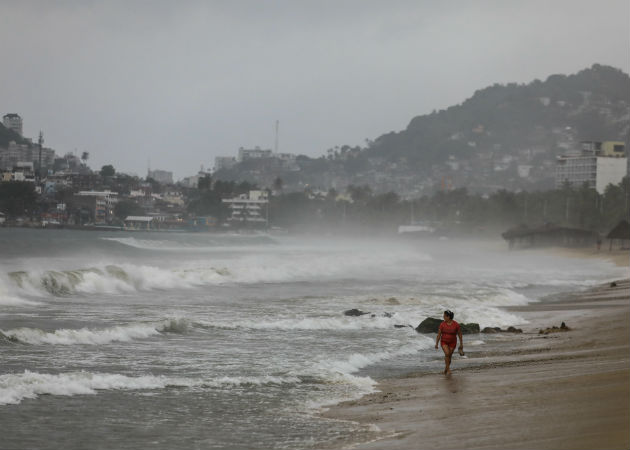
342 372
12 300
9 298
358 361
87 336
29 385
308 323
113 279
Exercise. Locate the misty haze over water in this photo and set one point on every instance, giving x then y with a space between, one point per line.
232 341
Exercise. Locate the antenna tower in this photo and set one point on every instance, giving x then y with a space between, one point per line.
40 141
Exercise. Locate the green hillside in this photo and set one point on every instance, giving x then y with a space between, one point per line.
594 102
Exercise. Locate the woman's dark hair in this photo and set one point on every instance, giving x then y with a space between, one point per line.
449 313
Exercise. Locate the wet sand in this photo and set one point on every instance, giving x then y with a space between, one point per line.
562 390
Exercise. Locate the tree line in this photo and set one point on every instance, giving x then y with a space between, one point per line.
359 209
453 211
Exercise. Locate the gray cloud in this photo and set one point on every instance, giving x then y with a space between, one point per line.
182 83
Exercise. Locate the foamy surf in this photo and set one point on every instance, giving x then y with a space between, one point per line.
308 323
87 336
114 279
29 385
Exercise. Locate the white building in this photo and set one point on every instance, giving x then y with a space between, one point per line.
249 208
13 122
598 164
161 176
255 153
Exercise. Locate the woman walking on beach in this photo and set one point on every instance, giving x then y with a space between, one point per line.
447 333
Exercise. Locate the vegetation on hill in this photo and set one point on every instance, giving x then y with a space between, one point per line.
510 117
7 135
477 144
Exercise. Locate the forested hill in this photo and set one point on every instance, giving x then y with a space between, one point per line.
503 137
7 135
594 102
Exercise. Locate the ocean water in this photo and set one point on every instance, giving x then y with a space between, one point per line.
198 341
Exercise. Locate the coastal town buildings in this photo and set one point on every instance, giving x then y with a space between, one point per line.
13 121
597 164
98 204
249 209
19 153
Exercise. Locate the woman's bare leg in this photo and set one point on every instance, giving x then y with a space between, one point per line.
447 358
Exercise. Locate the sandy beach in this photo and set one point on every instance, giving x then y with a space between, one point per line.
562 390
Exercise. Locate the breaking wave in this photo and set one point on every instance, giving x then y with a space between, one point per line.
29 385
113 279
86 336
309 323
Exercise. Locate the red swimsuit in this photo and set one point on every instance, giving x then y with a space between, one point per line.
449 333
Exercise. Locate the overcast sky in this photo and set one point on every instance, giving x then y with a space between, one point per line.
183 82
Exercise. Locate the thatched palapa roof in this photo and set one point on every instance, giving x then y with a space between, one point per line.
621 231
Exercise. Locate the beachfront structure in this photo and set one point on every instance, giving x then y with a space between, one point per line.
597 164
13 122
249 209
140 223
100 204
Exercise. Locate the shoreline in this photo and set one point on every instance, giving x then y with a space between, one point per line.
550 391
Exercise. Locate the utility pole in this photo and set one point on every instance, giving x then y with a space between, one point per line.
276 145
40 141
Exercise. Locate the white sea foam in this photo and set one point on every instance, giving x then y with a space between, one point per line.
253 381
342 372
12 300
359 361
29 385
9 298
114 279
258 267
87 336
308 323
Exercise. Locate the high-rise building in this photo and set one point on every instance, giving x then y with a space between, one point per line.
597 164
13 122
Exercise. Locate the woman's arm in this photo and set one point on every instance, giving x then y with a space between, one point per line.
438 337
461 339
